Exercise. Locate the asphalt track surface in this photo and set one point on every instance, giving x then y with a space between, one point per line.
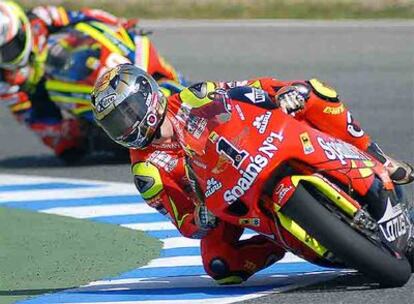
370 63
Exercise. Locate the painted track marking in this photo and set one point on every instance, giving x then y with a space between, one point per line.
177 276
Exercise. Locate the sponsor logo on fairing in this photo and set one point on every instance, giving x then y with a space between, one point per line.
223 160
394 228
281 192
338 150
394 223
262 121
353 126
213 137
212 186
257 163
256 95
306 143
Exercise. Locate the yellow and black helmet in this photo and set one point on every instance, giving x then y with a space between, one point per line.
15 36
128 105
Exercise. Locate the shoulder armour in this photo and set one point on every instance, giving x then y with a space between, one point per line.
323 91
147 179
197 94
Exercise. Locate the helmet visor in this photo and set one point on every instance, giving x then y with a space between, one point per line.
121 121
12 50
144 131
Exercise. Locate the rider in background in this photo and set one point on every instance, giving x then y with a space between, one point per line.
141 118
24 53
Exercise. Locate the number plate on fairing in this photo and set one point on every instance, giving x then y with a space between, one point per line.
395 226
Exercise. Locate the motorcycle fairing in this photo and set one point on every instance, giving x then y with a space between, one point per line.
243 154
233 160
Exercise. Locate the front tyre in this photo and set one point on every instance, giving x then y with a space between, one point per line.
344 242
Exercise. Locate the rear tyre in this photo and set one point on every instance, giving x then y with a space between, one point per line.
410 257
343 241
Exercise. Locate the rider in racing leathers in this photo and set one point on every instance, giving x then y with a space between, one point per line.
140 118
23 55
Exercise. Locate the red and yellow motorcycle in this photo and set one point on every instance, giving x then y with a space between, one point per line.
317 196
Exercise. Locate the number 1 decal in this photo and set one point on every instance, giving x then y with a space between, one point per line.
226 148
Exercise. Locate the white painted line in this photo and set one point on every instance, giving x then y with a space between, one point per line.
271 23
226 300
180 242
197 281
196 261
9 179
193 260
102 210
58 194
12 179
113 189
151 226
294 281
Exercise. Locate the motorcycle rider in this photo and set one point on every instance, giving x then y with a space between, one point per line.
24 52
130 108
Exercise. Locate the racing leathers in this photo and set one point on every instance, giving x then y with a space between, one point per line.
26 91
160 174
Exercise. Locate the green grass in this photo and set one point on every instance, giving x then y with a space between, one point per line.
233 9
42 253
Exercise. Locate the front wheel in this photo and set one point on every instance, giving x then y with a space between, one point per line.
355 250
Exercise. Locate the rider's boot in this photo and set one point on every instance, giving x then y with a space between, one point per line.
400 172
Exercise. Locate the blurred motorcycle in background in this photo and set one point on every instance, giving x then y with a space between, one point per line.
78 56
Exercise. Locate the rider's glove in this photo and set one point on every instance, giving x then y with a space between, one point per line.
204 218
291 99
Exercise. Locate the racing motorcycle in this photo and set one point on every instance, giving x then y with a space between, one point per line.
77 57
319 197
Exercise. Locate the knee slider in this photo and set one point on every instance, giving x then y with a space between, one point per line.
221 273
219 267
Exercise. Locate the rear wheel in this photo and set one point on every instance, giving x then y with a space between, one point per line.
354 249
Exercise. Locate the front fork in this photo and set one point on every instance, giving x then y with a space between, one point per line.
282 193
351 209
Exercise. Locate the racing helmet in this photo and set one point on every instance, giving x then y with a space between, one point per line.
128 106
15 36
